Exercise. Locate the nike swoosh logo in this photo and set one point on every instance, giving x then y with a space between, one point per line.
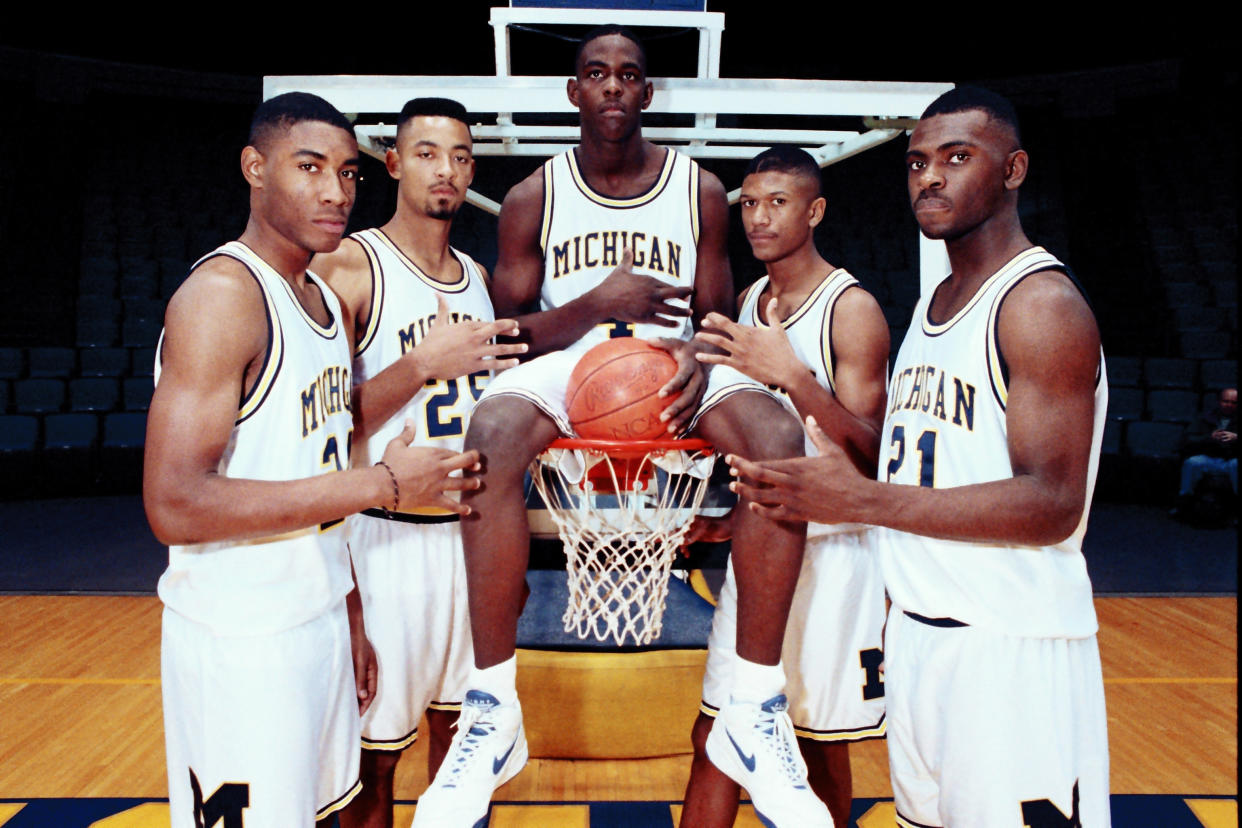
499 761
748 761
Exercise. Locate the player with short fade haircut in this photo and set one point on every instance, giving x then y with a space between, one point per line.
424 328
965 98
604 31
787 159
247 476
432 107
808 329
281 112
990 448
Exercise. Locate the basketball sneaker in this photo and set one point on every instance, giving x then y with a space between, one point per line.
487 751
754 745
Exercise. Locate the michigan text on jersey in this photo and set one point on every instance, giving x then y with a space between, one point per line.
912 389
327 395
605 248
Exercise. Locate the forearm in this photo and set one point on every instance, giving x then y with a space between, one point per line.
382 396
557 329
860 440
216 508
1018 510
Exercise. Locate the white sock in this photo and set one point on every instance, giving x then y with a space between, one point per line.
756 683
500 680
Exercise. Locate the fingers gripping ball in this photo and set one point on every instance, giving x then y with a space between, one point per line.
613 391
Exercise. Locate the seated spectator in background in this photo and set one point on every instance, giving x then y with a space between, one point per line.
1211 448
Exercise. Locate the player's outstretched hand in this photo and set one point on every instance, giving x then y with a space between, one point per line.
685 388
455 349
633 297
763 354
425 476
823 489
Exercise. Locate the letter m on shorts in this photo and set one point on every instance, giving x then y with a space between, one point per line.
1041 813
225 806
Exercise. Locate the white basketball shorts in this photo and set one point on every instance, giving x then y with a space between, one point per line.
832 649
542 382
412 577
259 728
994 731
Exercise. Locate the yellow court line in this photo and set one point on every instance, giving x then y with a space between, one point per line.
72 681
1174 680
8 810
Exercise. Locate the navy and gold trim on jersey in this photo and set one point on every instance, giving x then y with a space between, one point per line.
836 283
998 368
274 355
1032 259
380 237
377 294
651 194
549 202
696 207
399 743
339 803
906 822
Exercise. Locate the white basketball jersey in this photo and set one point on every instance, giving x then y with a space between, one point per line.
295 423
584 235
946 427
809 329
403 308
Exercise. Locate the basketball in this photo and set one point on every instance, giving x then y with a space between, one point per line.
613 391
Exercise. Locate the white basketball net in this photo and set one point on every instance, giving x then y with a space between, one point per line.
622 522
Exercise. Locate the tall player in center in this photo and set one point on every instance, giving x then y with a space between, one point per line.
424 332
618 237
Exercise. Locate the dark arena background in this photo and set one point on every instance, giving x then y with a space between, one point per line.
120 140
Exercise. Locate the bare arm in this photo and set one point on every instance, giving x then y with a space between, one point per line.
449 350
215 336
713 293
1050 416
853 417
518 279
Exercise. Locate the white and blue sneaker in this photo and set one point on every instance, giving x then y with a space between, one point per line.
488 750
755 746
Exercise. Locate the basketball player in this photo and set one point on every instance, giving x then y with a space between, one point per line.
247 479
424 332
616 237
991 439
808 329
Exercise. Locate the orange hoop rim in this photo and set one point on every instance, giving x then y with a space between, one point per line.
631 448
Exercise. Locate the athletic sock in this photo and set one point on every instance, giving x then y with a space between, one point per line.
756 683
500 680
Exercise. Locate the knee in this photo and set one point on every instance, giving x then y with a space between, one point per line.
508 432
755 426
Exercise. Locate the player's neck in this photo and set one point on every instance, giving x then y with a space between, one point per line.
424 241
975 256
618 168
794 277
285 256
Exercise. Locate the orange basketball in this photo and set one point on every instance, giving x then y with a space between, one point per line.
612 392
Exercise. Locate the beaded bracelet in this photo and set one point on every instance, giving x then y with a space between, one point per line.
396 491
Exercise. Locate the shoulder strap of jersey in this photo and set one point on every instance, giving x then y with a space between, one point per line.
273 357
367 243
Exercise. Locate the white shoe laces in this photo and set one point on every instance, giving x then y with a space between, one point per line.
777 732
471 734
